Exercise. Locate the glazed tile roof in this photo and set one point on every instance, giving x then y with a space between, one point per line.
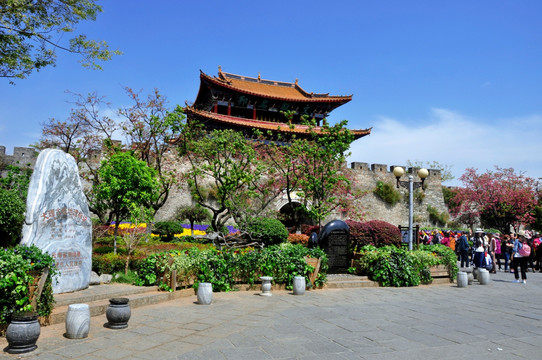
264 125
279 90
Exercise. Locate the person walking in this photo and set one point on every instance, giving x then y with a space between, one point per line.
520 257
498 250
479 252
492 245
463 250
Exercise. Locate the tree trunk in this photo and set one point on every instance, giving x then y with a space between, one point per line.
127 264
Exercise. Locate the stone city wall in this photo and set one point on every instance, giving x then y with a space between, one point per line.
365 176
22 157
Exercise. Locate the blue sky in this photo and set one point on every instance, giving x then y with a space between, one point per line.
458 82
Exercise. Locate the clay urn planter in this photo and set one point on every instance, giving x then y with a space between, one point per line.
22 333
118 313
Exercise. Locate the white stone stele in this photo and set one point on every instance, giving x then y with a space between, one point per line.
205 293
77 321
58 220
462 279
266 285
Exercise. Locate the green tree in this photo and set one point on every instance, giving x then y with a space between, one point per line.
124 183
86 134
16 179
13 193
150 127
12 209
324 178
132 236
225 161
29 33
193 214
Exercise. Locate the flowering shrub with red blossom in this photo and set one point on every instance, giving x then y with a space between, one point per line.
309 229
500 198
375 232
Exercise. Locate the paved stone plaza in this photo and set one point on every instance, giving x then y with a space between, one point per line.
498 321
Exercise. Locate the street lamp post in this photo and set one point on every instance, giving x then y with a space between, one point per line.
410 185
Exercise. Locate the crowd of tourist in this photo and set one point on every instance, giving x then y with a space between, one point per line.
517 253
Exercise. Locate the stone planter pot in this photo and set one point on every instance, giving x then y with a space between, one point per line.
462 279
470 277
205 293
22 333
299 285
118 313
483 277
266 285
475 273
77 321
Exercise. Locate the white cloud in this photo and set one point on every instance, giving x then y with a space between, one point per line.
454 139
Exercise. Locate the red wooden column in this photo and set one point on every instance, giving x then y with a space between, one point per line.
229 108
215 109
254 113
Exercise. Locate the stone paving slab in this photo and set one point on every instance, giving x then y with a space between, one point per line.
497 321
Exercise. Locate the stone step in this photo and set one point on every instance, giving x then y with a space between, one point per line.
351 284
338 281
100 292
98 302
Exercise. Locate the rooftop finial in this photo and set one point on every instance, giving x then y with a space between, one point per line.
219 68
259 77
296 81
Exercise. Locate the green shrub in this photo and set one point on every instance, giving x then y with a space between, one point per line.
375 232
387 192
108 263
285 261
390 266
105 249
16 265
12 209
224 269
167 229
123 278
267 230
445 255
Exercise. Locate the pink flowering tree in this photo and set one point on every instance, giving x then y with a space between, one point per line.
500 199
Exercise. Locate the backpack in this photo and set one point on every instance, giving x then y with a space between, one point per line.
525 250
488 263
498 246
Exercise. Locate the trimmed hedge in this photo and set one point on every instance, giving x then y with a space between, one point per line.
167 229
267 230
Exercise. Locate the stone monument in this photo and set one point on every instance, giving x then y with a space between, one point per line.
58 221
334 240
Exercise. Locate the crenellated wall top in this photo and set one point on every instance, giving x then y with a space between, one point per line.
384 169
